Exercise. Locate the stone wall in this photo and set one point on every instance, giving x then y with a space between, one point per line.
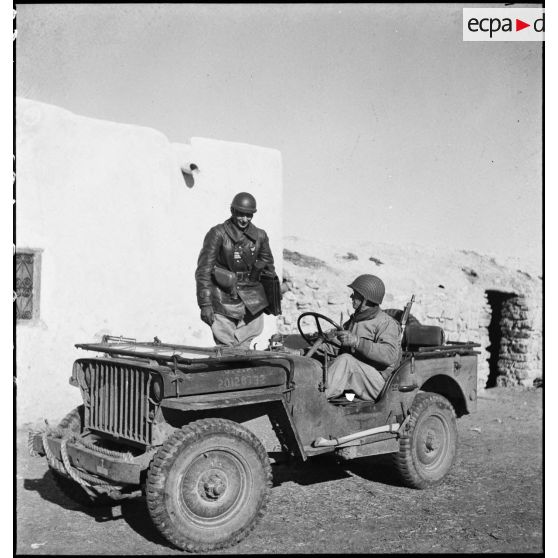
521 345
457 290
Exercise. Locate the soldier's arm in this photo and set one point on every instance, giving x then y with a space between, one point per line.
385 350
206 262
265 254
332 350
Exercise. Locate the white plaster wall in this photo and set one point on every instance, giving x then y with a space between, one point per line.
120 233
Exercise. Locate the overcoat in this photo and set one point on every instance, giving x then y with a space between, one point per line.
379 340
245 253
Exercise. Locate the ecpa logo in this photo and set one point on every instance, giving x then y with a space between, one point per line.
503 24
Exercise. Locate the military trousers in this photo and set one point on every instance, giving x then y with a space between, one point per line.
347 373
237 333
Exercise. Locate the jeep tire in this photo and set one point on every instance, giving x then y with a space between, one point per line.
73 422
208 485
428 443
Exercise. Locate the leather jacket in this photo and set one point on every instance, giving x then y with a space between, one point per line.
230 248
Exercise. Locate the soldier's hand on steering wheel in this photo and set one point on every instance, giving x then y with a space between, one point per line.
347 339
331 335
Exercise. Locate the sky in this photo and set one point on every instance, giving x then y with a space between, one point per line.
391 128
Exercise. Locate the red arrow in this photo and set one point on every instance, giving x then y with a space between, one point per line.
519 25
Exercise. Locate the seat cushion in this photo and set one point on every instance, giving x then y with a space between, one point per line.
417 335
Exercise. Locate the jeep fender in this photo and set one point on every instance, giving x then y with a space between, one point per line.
244 405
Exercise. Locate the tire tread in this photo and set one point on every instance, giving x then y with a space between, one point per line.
162 463
403 459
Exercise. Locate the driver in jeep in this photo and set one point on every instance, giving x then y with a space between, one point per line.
370 344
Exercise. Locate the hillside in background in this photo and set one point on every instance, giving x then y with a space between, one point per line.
472 296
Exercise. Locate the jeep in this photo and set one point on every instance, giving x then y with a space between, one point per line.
164 423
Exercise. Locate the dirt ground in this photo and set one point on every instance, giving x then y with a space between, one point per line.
490 502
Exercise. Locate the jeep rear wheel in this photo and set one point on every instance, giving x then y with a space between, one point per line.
208 485
73 422
428 445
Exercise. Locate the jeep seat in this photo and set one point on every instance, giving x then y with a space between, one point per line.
418 335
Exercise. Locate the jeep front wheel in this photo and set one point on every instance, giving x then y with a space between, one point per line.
428 445
208 485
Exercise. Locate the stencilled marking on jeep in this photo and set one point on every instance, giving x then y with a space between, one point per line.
232 380
241 380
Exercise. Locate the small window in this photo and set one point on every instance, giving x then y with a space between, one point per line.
27 284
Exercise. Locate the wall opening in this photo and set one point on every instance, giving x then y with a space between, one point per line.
500 334
188 172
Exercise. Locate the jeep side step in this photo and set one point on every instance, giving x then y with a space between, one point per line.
336 442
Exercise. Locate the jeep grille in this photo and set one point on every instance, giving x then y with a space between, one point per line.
117 398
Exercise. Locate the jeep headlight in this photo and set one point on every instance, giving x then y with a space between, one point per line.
80 377
156 389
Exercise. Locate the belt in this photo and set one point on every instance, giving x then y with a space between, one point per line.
243 275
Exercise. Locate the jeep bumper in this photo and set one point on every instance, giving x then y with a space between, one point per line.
117 470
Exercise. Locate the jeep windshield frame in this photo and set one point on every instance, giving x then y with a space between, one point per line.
155 350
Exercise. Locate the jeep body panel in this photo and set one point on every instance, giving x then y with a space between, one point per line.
191 380
120 402
119 399
452 375
258 377
223 400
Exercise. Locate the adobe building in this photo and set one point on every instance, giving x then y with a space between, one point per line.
472 296
110 219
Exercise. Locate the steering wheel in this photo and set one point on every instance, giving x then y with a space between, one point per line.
322 337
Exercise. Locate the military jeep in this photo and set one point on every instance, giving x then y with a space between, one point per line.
165 422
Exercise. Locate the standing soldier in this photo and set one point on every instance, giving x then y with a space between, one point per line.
229 292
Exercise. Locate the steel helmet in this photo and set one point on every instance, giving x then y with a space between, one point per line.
244 202
370 287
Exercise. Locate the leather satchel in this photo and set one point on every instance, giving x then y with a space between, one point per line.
272 288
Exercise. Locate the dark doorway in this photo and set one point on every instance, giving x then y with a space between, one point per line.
496 300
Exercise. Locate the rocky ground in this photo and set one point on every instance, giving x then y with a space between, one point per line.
490 502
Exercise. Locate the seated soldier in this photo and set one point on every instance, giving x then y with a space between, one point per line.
370 344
